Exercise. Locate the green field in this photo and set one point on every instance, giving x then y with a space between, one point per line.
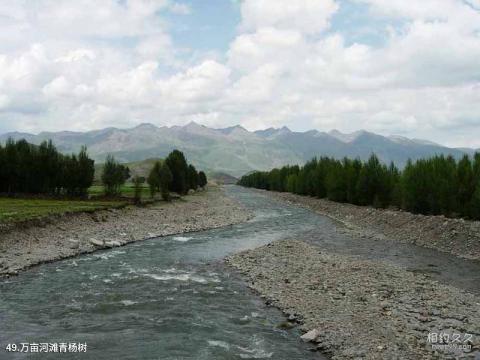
126 190
14 210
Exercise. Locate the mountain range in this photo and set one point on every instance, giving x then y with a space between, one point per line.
235 150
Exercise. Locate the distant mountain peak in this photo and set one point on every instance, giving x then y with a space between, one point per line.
404 140
425 142
335 132
233 129
271 131
193 125
239 127
347 137
145 126
142 128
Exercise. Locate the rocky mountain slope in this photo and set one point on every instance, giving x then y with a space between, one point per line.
235 150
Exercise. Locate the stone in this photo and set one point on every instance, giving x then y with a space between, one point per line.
311 335
292 317
96 242
113 243
73 244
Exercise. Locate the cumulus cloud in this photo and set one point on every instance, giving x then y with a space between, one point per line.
85 64
308 16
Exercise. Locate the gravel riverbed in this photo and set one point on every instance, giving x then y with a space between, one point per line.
357 309
68 236
455 236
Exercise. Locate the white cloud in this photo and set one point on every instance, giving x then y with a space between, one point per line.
86 64
77 55
57 87
249 51
308 16
204 82
426 9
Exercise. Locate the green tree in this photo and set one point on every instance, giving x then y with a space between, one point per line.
292 183
113 176
192 177
336 182
466 186
165 179
153 179
160 180
374 184
475 203
352 169
202 179
85 171
475 200
178 166
137 188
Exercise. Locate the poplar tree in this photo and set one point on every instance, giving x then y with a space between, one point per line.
202 179
178 166
113 176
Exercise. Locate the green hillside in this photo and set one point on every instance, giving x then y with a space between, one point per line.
137 168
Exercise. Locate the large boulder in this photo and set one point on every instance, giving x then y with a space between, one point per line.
96 242
113 243
311 335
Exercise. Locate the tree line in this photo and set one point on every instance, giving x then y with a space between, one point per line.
439 185
41 169
173 174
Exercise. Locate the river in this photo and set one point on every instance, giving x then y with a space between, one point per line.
172 297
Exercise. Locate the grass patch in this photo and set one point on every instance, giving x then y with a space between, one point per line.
15 210
126 190
23 209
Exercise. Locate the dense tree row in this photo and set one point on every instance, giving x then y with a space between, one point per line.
439 185
174 174
27 168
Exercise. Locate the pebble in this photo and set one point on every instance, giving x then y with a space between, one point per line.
358 325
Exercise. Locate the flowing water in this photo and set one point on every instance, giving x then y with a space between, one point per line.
165 298
172 298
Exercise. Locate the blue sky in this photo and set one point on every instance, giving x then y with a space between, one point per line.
213 24
210 25
391 67
356 23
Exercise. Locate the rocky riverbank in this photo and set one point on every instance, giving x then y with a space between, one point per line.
68 236
353 309
455 236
